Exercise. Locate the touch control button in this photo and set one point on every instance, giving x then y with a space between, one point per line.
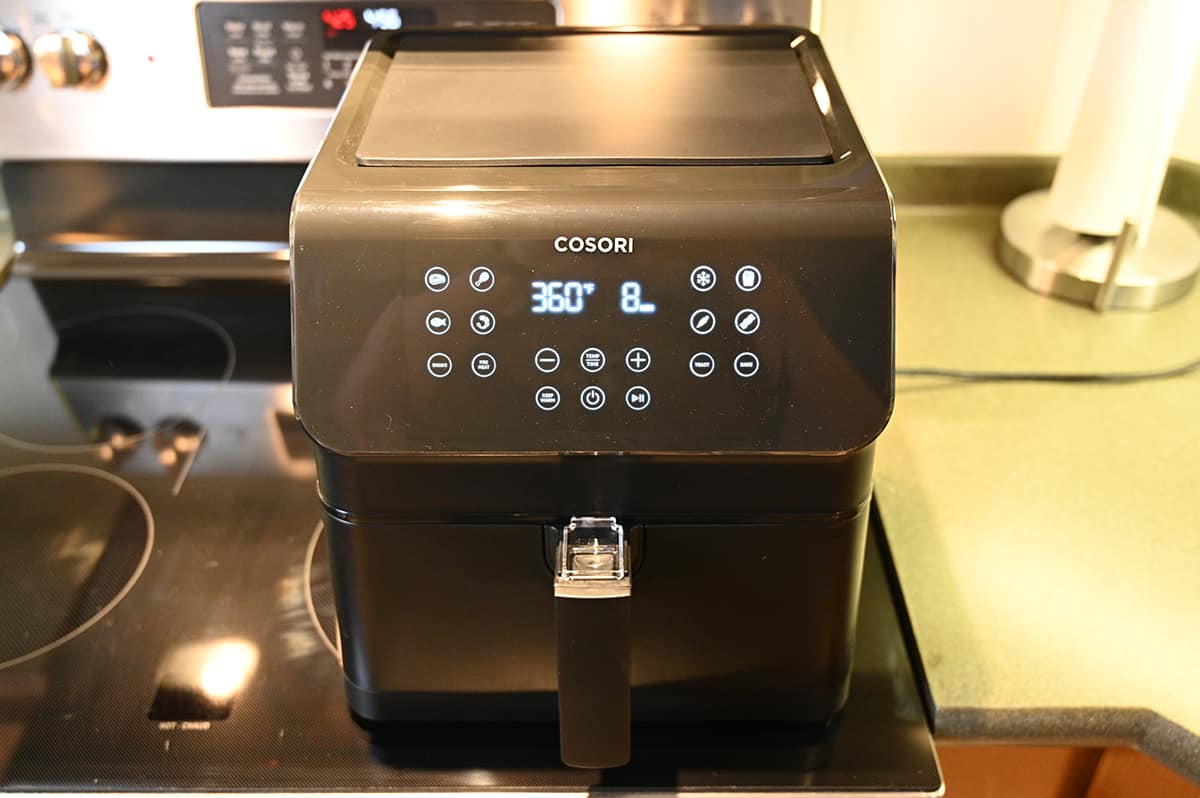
483 322
482 279
748 278
703 321
483 365
637 359
546 360
702 364
637 397
438 322
747 321
592 360
746 364
703 278
439 364
592 397
546 397
437 279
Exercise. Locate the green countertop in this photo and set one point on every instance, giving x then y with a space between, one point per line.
1046 537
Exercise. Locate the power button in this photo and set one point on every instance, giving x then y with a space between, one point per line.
592 397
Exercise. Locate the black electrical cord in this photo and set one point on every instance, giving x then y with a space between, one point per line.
1050 376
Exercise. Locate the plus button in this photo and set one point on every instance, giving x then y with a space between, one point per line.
637 360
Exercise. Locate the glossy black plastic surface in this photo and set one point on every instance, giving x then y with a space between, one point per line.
383 362
594 711
730 623
595 99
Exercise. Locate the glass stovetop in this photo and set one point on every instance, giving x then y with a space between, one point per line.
166 615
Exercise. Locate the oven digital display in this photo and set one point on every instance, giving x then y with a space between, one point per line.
344 26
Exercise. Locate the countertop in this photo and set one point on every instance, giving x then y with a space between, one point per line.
1046 537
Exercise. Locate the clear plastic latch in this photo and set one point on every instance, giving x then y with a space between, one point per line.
592 560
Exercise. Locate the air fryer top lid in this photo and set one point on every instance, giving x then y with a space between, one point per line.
595 99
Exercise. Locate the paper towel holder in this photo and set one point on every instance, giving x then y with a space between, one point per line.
1100 271
1098 236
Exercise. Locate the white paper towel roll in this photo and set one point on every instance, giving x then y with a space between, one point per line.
1120 145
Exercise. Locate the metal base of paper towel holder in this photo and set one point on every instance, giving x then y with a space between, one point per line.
1056 261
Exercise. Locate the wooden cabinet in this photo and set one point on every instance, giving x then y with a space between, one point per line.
1023 771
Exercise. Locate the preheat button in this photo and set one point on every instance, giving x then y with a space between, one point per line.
592 397
438 322
546 397
483 365
746 364
439 364
546 360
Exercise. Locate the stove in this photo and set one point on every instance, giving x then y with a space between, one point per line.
166 612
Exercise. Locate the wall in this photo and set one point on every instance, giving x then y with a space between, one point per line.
971 77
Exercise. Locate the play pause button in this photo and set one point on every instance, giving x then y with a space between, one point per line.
637 397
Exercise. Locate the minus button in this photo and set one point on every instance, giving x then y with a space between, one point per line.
546 360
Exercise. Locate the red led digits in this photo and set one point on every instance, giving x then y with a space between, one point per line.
338 19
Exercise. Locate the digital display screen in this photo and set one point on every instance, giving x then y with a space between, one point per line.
350 26
571 297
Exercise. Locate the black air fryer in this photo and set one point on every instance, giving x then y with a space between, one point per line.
593 337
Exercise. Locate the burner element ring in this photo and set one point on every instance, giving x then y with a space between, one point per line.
139 567
310 605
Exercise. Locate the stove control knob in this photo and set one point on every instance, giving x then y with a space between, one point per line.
70 58
14 60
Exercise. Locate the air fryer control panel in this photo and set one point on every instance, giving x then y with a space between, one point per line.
575 341
581 343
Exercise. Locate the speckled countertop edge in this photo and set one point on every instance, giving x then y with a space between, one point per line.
955 202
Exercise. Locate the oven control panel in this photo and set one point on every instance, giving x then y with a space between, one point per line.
300 54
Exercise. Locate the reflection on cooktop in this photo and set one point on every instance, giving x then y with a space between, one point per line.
112 372
76 539
144 343
318 586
